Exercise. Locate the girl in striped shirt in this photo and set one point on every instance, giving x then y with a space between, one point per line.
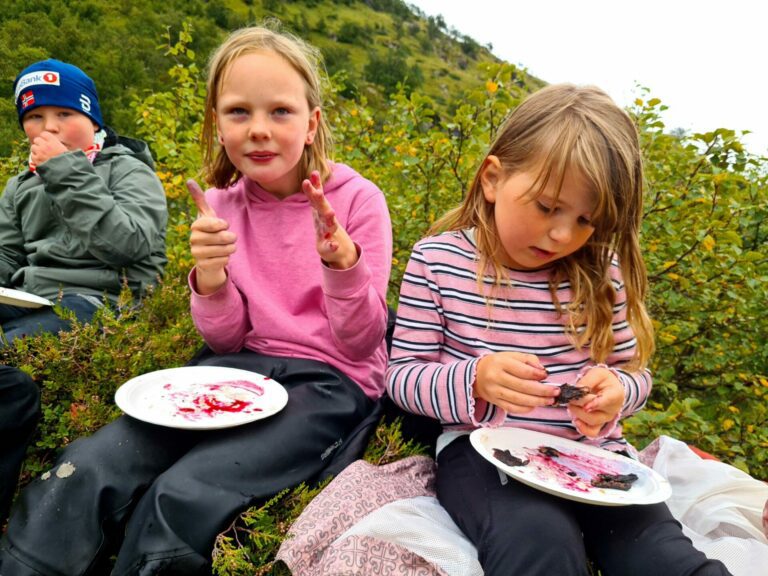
535 281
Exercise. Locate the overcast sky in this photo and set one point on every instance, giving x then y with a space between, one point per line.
706 60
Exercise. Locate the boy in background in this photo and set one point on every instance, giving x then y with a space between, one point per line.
89 212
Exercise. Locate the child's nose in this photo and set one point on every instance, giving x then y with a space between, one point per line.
50 124
561 233
258 128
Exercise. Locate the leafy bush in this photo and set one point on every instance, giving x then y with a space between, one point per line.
352 33
391 72
705 246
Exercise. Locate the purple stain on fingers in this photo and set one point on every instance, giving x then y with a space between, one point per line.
199 197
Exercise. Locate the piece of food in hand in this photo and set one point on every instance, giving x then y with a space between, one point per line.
549 451
569 393
615 481
506 457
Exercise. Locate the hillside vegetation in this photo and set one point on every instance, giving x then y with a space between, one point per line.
372 44
420 140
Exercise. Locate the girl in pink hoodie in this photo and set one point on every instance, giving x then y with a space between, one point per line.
292 259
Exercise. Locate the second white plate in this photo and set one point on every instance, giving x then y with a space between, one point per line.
201 397
569 475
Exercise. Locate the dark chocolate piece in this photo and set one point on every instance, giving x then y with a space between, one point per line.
569 393
615 481
506 457
549 451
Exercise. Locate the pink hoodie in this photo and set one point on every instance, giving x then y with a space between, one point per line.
279 298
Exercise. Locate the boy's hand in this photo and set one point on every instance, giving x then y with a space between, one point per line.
603 404
334 245
511 381
211 244
44 147
765 520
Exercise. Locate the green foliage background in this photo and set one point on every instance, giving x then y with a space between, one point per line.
420 137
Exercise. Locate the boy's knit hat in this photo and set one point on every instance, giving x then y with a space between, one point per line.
55 83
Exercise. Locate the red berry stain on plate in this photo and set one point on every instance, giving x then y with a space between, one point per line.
197 401
571 470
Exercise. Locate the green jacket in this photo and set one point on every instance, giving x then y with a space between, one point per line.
85 228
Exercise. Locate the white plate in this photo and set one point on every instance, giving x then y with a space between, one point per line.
201 397
22 299
569 475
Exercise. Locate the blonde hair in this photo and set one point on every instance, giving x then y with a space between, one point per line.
305 59
560 128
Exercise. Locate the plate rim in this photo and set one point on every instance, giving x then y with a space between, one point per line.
129 385
661 494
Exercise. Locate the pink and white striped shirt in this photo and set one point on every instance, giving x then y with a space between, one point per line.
444 326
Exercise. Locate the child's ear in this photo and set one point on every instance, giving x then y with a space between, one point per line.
490 177
314 122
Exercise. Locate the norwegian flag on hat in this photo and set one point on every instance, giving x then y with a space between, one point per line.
27 99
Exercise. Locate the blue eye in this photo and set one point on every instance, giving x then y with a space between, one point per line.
237 111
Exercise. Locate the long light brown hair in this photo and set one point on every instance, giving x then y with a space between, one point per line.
579 128
305 59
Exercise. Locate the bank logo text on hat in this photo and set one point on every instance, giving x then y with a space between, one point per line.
55 83
42 77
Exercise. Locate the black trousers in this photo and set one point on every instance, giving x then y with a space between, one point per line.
522 531
159 496
19 410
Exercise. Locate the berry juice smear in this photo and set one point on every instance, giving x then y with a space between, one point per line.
199 401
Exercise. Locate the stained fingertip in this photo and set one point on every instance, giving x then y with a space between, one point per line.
193 186
199 198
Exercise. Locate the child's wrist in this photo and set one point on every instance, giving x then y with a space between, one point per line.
208 282
346 261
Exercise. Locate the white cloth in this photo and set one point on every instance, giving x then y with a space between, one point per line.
422 526
719 506
343 532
